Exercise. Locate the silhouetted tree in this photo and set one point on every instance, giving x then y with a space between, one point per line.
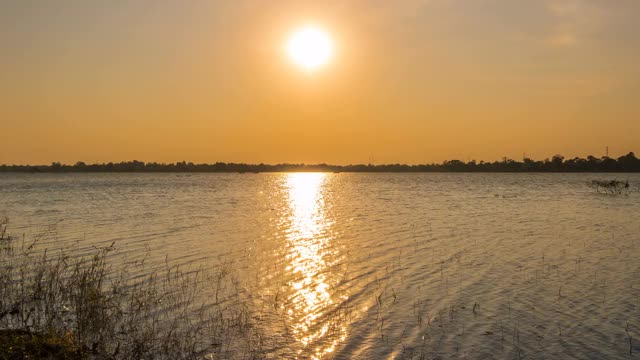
626 163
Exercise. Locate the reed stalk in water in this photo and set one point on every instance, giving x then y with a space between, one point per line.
58 306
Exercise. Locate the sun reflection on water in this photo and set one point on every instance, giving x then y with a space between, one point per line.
309 254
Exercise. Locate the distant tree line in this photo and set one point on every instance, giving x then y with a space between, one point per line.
558 163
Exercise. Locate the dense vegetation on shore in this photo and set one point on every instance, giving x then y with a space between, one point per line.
558 163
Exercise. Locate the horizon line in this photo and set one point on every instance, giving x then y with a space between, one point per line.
558 163
469 161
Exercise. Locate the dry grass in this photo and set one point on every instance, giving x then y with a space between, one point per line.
57 306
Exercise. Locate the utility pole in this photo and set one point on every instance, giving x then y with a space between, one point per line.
607 150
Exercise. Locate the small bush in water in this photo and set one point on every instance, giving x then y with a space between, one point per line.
610 186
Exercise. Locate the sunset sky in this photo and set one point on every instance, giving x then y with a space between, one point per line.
408 81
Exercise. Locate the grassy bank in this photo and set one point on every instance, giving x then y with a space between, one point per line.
53 305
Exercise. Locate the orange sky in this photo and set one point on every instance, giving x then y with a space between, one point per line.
411 81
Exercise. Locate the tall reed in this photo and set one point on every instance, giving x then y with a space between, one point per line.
59 306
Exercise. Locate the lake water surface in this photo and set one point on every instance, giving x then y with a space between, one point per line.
364 266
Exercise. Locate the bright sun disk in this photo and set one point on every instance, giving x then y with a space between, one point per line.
310 47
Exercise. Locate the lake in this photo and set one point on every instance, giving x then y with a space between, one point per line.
432 265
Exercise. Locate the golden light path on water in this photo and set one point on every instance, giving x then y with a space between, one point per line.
309 240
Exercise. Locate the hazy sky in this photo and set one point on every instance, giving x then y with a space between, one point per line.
411 81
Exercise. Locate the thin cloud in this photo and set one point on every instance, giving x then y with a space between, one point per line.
574 21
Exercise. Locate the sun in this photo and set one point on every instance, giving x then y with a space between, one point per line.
310 47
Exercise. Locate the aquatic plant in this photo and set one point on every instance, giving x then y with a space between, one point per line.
610 186
56 306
